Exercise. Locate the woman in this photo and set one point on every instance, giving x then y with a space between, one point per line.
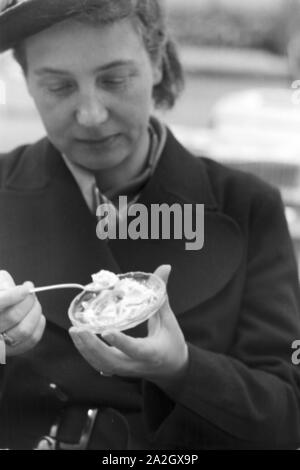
212 368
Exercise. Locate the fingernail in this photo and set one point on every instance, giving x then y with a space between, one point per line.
29 285
74 330
110 337
78 331
75 334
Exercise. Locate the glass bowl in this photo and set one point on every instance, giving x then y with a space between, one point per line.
142 313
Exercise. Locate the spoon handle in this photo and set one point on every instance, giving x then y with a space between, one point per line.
57 286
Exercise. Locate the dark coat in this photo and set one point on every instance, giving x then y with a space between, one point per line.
237 301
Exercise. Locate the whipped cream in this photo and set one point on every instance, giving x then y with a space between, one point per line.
119 300
104 279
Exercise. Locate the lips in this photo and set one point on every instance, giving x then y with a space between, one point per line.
99 141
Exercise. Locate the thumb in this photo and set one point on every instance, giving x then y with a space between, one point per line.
6 281
154 322
163 272
164 319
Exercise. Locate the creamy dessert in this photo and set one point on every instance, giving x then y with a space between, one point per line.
117 301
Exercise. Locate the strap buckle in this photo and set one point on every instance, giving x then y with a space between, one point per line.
52 443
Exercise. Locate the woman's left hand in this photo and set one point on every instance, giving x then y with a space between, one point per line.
161 357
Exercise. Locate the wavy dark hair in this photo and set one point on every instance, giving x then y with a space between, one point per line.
149 16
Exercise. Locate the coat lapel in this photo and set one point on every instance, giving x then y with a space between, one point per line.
49 235
196 276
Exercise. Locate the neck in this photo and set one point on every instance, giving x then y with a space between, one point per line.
129 169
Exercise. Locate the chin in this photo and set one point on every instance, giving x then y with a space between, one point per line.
98 162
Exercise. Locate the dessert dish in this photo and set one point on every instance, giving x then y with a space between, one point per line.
117 301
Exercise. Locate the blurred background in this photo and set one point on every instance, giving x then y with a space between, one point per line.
241 103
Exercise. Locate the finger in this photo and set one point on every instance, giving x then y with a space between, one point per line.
167 316
105 358
12 316
25 329
163 319
35 338
38 332
40 328
135 348
90 347
14 295
163 272
6 281
97 353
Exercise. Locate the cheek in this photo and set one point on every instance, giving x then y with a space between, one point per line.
56 117
138 105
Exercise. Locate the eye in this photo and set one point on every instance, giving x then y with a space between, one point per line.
114 81
61 89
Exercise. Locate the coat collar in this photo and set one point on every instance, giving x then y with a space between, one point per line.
52 207
35 168
197 276
182 176
40 164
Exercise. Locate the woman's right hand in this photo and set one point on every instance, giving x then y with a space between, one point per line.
22 323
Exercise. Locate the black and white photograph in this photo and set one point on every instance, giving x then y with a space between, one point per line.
150 227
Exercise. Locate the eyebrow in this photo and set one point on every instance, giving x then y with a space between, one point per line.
102 68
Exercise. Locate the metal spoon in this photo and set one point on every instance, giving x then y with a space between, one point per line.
88 288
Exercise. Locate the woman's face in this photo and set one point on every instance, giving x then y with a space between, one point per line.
93 89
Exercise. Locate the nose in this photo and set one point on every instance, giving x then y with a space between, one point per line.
91 111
